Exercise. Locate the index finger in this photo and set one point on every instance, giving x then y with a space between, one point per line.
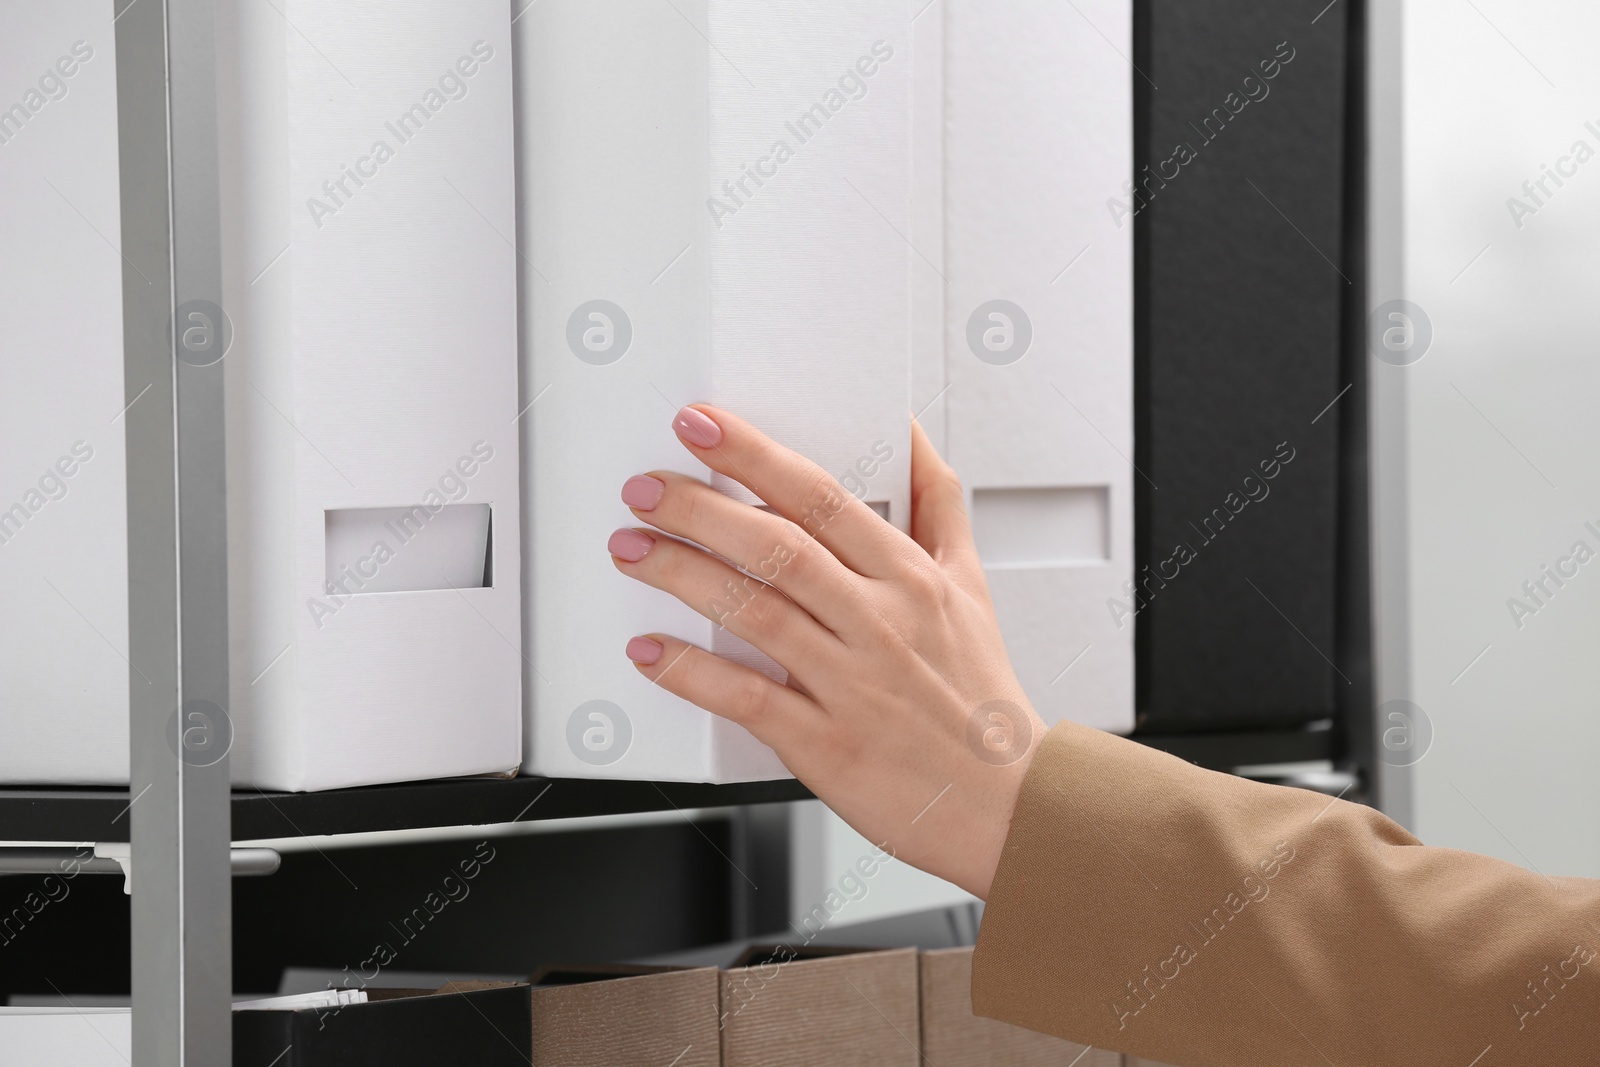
795 488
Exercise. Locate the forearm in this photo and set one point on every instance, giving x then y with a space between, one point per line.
1148 906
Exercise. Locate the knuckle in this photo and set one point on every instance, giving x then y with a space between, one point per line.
751 698
798 553
924 580
663 565
791 534
689 504
690 676
821 502
767 616
890 643
787 554
727 603
842 749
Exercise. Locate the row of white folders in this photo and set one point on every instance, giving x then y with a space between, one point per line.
475 255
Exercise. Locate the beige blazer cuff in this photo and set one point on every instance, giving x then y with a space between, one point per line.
1147 906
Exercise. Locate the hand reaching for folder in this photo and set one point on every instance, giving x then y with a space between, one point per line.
902 712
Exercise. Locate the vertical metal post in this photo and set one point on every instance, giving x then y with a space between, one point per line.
174 336
1355 643
1388 435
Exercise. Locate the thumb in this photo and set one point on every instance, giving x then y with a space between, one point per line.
939 520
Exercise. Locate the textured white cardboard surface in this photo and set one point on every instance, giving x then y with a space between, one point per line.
63 557
373 365
66 1037
785 298
1028 165
394 388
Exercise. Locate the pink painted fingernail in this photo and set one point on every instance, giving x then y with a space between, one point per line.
644 651
642 491
630 545
697 428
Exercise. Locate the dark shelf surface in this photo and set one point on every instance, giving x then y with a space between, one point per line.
1224 750
101 814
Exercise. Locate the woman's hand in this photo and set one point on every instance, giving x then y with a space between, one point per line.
902 712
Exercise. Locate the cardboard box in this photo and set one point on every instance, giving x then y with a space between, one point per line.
1029 384
954 1037
625 1016
839 1006
478 1023
369 325
714 200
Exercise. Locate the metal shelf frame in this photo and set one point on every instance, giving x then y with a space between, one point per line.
54 814
58 815
177 531
179 815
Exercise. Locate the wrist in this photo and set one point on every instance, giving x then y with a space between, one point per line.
1002 796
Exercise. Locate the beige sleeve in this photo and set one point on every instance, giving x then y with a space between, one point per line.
1148 906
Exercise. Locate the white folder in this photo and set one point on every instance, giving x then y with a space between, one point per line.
1025 344
727 187
370 296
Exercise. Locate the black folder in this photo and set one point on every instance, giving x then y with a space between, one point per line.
1240 206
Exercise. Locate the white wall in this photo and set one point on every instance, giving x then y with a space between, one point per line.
1489 446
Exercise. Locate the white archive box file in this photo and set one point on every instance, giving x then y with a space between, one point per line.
714 198
63 555
372 389
369 293
1029 383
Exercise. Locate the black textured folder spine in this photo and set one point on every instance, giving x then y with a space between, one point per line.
1239 204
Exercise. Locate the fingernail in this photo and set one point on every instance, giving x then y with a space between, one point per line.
644 651
642 491
630 545
697 428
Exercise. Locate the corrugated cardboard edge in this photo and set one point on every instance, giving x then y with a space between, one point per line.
577 973
650 1019
952 1036
825 1005
472 986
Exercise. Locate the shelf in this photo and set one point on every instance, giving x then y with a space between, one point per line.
1226 749
100 814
